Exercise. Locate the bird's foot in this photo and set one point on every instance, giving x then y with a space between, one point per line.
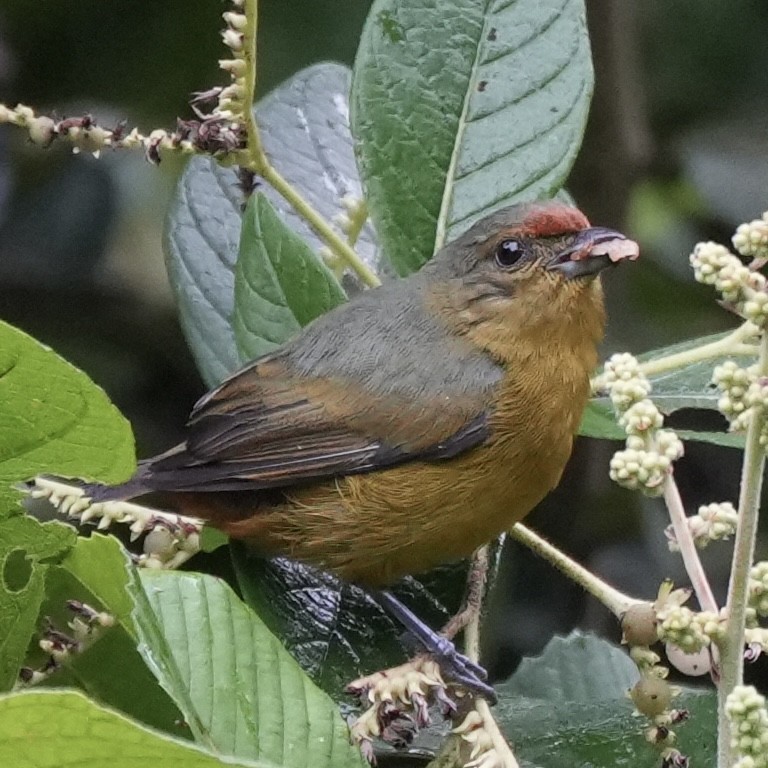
460 669
455 667
397 703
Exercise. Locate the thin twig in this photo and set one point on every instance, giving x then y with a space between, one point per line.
690 554
732 344
255 159
503 751
616 602
477 579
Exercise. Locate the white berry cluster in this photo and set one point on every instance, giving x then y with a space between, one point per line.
355 210
745 708
220 133
350 221
83 133
752 239
734 382
688 630
758 588
743 394
624 381
61 646
652 696
171 539
741 287
684 628
757 400
650 450
714 522
755 636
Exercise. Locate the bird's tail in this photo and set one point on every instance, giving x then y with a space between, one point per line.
95 492
105 504
98 492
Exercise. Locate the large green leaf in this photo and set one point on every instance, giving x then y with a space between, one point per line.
280 284
335 630
238 688
63 729
305 130
575 668
460 108
52 419
569 707
687 387
201 236
101 565
602 734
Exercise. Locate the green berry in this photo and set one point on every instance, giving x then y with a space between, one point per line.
639 625
651 695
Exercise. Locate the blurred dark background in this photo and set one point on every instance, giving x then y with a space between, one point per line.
676 151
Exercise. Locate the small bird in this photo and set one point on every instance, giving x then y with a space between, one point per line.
414 423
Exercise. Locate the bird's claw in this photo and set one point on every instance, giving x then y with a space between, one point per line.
443 649
460 670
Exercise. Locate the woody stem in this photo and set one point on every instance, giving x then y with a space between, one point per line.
732 645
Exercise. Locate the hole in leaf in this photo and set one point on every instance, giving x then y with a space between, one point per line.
17 570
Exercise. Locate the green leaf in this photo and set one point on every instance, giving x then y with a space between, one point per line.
336 631
569 707
25 548
575 668
202 230
594 734
101 565
97 572
238 688
305 132
52 419
688 387
304 126
63 729
599 420
460 108
280 284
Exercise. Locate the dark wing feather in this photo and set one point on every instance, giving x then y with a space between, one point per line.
269 428
377 382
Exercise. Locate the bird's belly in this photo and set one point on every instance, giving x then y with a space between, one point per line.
373 529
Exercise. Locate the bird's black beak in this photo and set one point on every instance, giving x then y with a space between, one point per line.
591 251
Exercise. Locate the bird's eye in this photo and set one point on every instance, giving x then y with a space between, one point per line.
508 253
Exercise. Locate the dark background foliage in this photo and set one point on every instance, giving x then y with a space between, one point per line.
676 150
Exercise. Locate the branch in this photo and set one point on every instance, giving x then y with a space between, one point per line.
616 602
690 554
732 647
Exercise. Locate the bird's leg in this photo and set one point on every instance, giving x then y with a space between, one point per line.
454 665
473 600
